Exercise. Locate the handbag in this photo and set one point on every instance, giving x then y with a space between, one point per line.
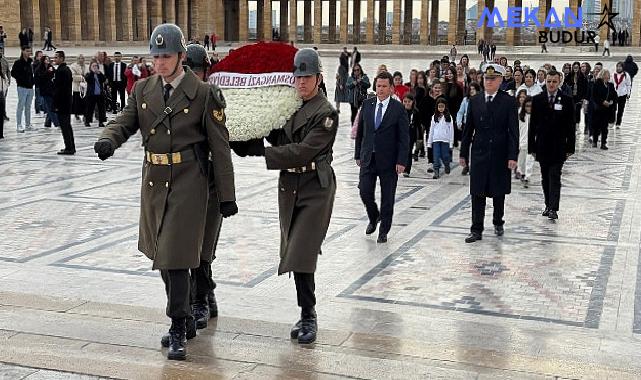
83 88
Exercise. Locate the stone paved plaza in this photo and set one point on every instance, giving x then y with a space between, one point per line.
548 300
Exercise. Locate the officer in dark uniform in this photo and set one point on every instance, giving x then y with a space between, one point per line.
302 151
492 129
182 122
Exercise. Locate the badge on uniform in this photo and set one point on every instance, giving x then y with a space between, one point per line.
558 107
329 123
219 115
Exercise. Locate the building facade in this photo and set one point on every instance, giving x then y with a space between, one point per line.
116 21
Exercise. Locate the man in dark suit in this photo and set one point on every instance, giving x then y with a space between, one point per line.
382 149
117 81
62 97
551 138
492 129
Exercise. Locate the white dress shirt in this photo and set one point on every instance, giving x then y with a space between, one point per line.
385 104
175 83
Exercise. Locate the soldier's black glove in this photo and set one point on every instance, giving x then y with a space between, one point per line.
228 209
105 148
239 147
256 147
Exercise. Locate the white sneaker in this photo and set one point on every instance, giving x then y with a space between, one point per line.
28 128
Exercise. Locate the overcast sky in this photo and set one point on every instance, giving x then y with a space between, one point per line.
444 8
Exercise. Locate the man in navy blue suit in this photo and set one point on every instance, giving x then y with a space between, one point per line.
382 149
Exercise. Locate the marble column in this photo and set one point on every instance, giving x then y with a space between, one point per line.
460 24
452 28
127 15
544 8
293 20
267 20
169 11
357 22
407 23
396 22
382 22
155 13
182 19
480 32
344 21
54 19
318 21
219 20
424 37
509 33
489 32
307 22
37 30
242 20
434 23
110 20
606 33
332 21
283 24
75 22
636 24
141 23
370 21
260 18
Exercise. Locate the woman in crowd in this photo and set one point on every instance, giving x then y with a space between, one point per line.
465 62
461 116
540 76
604 97
508 84
588 105
623 86
357 86
135 71
95 95
461 76
525 160
530 85
412 83
78 70
454 94
414 122
341 92
44 78
518 79
578 84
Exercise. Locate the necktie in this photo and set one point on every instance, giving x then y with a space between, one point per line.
489 99
168 88
379 116
551 100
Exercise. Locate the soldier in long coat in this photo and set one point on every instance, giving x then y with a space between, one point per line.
492 130
302 151
182 121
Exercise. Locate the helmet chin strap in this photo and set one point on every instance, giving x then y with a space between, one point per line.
178 64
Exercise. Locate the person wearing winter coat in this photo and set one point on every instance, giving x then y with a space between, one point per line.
78 69
95 95
630 67
357 86
623 86
604 97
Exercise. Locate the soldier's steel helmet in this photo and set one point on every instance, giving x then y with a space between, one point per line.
197 57
307 62
167 39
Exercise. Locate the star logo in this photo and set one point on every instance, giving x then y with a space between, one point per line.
606 18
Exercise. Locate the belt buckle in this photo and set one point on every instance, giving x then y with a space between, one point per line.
159 159
176 158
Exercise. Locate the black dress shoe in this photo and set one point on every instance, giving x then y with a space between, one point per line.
498 230
308 328
177 349
67 152
553 215
465 171
546 212
213 306
200 312
371 227
473 236
382 238
604 147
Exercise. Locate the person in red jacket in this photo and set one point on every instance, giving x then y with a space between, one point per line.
213 40
399 88
136 70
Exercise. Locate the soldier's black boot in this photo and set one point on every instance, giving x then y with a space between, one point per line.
190 332
200 311
177 340
296 329
309 326
213 306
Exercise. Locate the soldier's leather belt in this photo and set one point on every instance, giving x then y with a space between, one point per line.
170 158
303 169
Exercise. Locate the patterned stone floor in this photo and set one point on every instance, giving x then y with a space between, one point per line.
548 300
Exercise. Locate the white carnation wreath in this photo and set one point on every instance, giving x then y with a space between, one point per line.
253 112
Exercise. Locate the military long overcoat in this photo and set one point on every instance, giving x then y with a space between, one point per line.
493 131
174 197
305 200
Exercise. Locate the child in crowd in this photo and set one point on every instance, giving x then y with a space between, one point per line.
525 161
441 137
412 115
